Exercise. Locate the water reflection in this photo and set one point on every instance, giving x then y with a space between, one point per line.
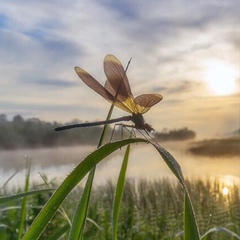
145 163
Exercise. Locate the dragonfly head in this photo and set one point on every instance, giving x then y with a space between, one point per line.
148 128
140 123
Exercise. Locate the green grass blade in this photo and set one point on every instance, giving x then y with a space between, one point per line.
228 232
24 201
171 162
62 210
70 182
23 194
80 214
3 235
119 193
8 180
191 231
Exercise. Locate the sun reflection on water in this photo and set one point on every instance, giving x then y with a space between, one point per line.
228 182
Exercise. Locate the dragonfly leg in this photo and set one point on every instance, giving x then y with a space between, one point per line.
128 128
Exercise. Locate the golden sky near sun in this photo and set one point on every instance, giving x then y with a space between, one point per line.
221 77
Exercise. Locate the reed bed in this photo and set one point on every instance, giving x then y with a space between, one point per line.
150 210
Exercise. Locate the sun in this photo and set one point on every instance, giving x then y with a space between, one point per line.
221 77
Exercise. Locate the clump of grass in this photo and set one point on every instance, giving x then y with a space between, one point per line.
150 210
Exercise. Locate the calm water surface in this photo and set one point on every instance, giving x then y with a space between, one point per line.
145 163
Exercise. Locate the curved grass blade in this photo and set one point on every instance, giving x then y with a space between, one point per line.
24 194
119 193
69 183
191 230
228 232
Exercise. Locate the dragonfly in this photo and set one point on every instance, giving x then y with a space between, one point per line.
117 91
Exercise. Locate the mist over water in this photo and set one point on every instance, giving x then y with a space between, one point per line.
145 163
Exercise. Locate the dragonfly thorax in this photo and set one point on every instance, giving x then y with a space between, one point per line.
140 123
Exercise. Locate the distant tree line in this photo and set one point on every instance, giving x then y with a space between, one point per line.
33 133
175 135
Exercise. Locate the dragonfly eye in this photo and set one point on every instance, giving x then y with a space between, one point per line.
148 128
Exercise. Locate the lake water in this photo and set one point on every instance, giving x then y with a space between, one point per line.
145 163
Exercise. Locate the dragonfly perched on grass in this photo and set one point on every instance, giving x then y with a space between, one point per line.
117 90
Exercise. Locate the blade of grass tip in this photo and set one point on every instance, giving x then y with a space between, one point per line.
78 173
80 214
119 194
191 230
24 200
8 180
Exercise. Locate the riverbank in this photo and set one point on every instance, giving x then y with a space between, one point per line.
217 147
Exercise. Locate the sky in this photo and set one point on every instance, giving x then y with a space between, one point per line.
187 51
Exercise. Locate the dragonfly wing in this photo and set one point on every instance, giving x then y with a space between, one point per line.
117 78
93 84
145 101
117 83
98 88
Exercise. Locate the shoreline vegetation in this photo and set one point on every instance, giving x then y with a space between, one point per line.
34 133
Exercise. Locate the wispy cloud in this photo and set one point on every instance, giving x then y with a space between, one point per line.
169 41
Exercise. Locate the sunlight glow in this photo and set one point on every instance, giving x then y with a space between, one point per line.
225 191
228 181
221 77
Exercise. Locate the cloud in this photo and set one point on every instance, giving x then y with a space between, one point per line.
49 82
183 87
169 41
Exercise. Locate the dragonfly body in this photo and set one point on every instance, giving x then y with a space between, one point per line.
117 90
137 119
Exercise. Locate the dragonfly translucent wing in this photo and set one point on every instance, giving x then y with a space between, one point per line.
117 82
117 78
98 88
93 84
127 103
145 101
110 89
